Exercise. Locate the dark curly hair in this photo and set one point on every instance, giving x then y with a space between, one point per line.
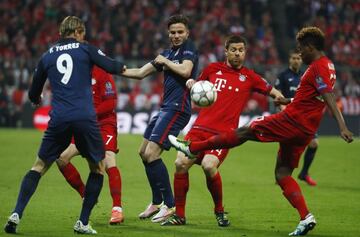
311 36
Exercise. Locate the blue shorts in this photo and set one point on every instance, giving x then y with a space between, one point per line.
58 136
165 123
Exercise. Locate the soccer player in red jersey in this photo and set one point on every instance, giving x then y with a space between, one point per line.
105 98
234 84
287 82
294 127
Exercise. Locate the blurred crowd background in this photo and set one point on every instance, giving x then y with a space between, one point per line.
136 31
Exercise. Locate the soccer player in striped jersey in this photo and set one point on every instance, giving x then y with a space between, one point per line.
179 63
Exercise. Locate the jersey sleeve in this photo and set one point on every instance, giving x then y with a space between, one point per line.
322 79
39 78
158 67
204 75
260 84
190 52
108 93
100 59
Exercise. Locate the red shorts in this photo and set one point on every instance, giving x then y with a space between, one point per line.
109 136
196 134
279 128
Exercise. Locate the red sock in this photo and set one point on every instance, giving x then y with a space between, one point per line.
222 140
214 185
181 187
292 192
73 177
115 185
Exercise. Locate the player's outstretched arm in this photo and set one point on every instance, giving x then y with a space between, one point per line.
106 63
139 73
183 69
331 103
274 93
279 98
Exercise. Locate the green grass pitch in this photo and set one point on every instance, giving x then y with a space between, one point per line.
255 204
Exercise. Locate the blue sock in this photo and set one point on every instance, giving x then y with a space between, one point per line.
308 159
156 193
92 190
27 189
158 170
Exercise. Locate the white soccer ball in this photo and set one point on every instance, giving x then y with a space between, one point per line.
203 93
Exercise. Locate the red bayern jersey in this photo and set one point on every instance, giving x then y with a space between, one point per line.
234 88
306 110
104 95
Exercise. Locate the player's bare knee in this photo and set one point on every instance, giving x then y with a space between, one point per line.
97 168
41 166
150 156
282 172
209 168
109 160
141 153
61 163
145 155
314 144
181 166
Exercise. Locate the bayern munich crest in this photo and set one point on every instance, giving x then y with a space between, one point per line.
242 77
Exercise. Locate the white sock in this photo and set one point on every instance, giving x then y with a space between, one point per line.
119 209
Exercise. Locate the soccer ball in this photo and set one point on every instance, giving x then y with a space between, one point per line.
203 93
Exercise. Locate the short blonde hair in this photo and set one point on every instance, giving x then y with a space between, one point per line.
70 24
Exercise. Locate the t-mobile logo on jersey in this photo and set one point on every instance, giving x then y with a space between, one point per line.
219 83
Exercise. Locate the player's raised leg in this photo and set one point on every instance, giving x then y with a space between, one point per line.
223 140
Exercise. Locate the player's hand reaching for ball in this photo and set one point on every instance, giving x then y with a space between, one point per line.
190 83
